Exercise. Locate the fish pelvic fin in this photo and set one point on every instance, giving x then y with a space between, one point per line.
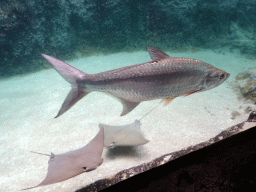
128 106
191 92
168 100
71 75
75 94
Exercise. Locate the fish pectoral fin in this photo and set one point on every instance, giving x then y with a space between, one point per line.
75 94
191 92
168 100
128 106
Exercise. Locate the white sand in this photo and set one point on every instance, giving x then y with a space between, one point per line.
29 103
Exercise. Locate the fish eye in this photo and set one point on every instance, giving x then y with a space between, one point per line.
222 76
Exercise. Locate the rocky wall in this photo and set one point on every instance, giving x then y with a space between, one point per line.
71 28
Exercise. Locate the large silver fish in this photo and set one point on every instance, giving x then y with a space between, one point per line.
164 77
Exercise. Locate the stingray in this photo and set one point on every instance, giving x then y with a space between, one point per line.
124 135
67 165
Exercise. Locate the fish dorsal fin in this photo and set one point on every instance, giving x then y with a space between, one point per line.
157 54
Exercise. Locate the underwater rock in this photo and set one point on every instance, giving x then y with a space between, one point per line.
235 114
245 85
250 87
248 109
252 117
243 75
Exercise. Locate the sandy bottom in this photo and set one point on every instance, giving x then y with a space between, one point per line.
29 103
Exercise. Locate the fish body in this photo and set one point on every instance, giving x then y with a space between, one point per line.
164 77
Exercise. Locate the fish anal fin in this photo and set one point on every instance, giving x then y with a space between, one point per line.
157 54
168 100
75 94
128 106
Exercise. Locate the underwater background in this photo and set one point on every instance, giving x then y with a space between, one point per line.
100 35
73 28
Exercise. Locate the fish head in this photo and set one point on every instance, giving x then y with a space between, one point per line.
214 78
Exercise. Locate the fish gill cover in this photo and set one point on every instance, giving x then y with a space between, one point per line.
73 28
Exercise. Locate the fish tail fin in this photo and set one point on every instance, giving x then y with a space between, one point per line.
75 94
71 75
